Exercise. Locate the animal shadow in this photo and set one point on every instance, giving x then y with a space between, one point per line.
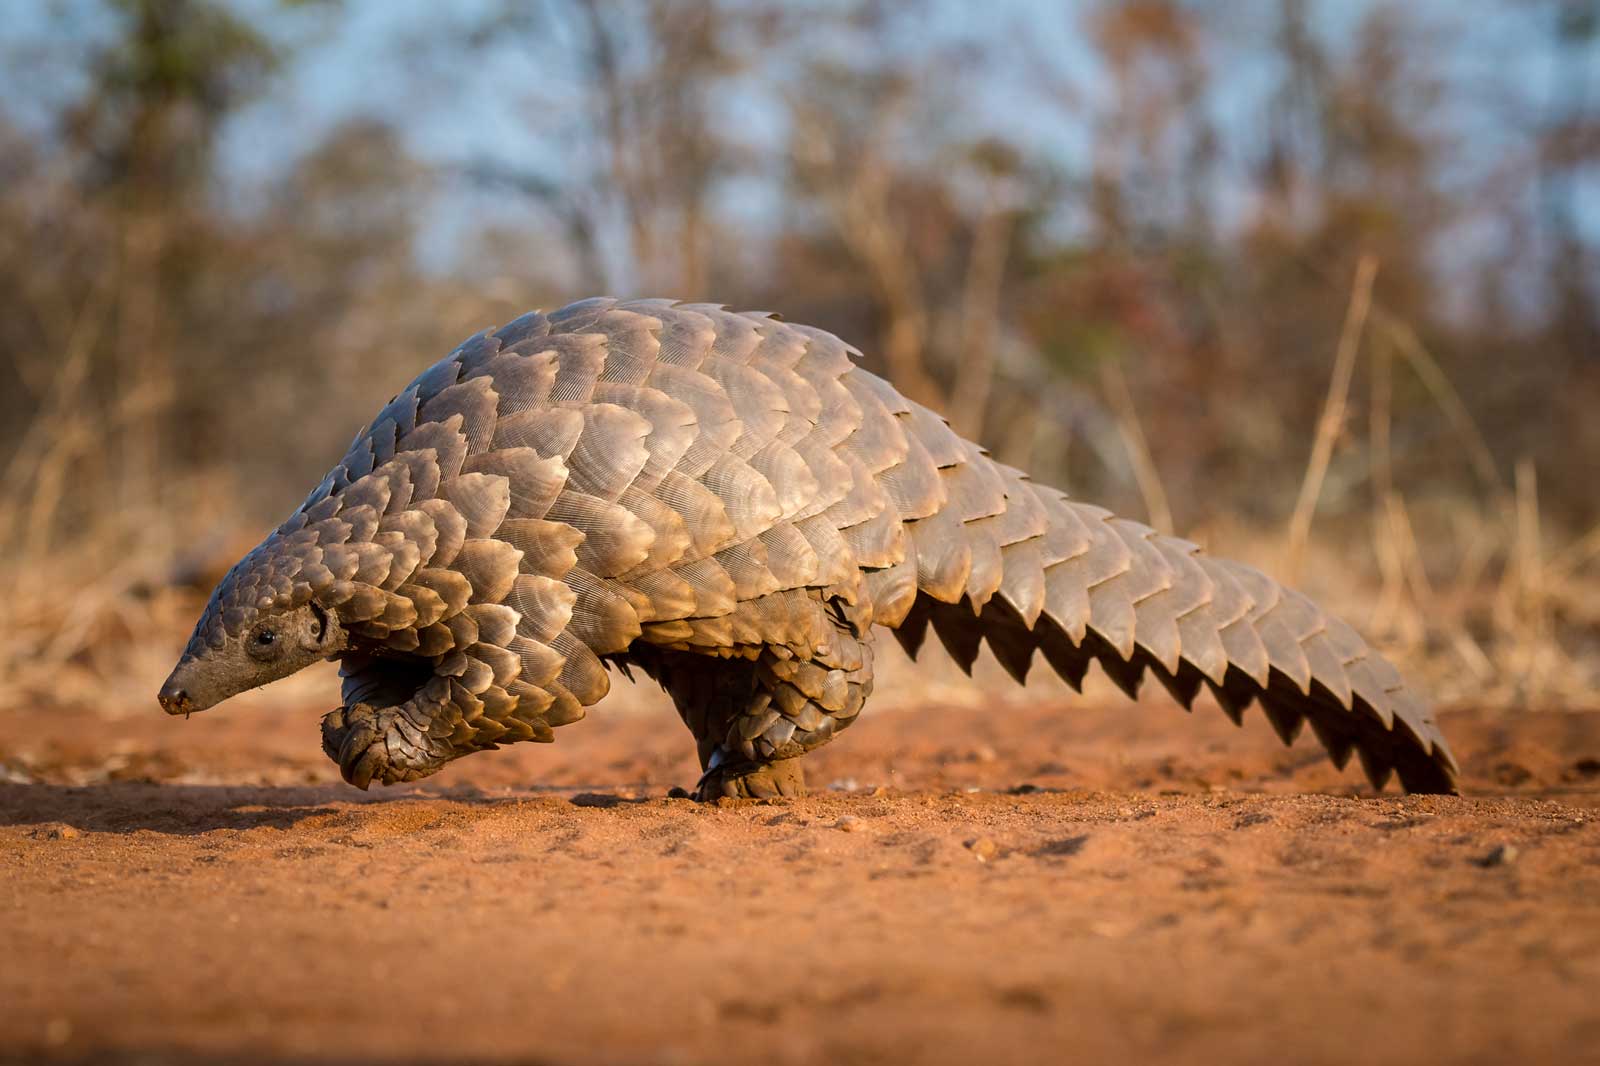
180 810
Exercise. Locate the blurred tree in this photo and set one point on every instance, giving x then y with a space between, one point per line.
1569 153
645 146
146 130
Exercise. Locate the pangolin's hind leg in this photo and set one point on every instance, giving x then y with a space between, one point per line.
797 705
754 717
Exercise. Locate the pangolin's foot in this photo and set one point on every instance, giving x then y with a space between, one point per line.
377 744
742 779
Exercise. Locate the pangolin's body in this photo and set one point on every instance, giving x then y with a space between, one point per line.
729 503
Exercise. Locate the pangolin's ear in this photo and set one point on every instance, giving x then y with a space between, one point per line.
320 633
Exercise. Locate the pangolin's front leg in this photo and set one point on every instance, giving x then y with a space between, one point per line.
391 728
401 721
382 744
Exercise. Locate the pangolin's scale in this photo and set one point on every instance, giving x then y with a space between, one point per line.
728 502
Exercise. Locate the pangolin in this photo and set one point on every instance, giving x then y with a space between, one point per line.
728 503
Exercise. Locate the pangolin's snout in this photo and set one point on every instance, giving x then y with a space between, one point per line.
173 698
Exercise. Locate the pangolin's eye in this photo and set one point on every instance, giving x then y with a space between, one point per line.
265 637
316 628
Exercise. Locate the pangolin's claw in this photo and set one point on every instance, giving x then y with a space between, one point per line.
750 780
352 738
362 765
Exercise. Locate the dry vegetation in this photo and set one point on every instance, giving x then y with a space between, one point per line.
1259 276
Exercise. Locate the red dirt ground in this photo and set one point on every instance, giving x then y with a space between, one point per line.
1022 882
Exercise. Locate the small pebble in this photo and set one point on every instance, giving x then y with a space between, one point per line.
1499 855
983 848
56 832
676 793
849 823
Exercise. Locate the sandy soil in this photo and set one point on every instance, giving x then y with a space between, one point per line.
1022 882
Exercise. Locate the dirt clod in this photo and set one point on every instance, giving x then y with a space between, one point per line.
1511 774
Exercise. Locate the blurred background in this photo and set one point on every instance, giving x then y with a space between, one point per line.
1313 282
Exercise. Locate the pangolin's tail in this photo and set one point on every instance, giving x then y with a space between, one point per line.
1026 569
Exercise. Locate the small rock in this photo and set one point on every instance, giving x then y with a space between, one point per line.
849 823
56 832
983 848
677 793
1499 855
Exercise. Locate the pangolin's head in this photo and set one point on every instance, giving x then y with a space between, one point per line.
263 622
